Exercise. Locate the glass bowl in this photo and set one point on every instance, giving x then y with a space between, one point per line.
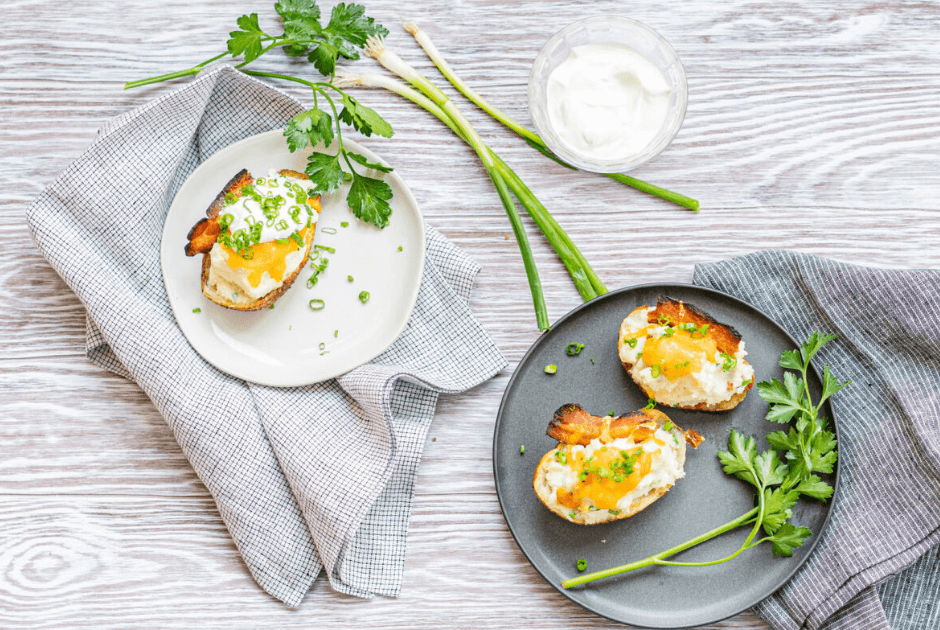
608 30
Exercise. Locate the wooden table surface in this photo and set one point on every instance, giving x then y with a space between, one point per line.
812 126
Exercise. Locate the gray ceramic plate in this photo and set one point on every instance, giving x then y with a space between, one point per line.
658 597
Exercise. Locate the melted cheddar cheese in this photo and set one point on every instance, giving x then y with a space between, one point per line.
270 257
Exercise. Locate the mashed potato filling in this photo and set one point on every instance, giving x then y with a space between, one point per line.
678 367
602 479
240 281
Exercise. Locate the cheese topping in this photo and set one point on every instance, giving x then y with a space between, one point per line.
598 480
679 366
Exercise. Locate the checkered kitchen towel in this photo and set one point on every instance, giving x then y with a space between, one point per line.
275 460
886 518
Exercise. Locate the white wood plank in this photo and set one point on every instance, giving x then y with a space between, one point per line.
811 126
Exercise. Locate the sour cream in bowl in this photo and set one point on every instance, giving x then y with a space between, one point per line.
607 94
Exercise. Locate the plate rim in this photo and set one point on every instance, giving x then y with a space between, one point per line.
541 339
412 298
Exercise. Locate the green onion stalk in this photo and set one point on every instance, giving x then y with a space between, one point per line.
586 280
375 48
529 136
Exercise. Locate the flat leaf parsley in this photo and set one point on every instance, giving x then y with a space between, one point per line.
343 36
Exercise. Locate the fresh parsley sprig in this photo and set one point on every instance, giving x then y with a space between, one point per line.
343 36
808 447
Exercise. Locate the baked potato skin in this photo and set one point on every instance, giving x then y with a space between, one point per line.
572 424
205 233
727 338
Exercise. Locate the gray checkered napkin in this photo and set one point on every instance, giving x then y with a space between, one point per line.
275 460
876 565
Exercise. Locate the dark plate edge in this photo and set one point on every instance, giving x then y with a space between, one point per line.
665 288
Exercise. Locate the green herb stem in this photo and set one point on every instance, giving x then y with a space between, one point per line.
173 75
529 136
659 557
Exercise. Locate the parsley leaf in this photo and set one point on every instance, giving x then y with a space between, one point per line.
815 487
777 508
812 345
247 41
364 119
309 128
788 538
739 459
323 57
783 403
361 159
368 200
784 441
347 32
830 385
347 21
770 470
325 172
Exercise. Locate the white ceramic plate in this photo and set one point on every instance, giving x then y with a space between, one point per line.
291 344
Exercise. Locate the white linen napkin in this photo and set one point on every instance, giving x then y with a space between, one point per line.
304 477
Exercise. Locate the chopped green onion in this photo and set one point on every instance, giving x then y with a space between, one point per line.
630 342
574 349
344 224
745 383
655 371
197 310
701 332
317 304
669 332
610 413
325 248
582 565
312 281
298 239
349 278
571 514
651 404
668 426
551 368
592 360
363 296
336 333
522 449
613 512
399 248
729 362
562 457
271 307
328 230
664 320
679 366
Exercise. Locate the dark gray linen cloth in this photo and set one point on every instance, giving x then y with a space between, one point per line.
304 477
886 517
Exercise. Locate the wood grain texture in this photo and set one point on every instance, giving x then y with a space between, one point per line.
812 126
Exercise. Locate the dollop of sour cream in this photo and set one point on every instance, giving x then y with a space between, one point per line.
277 202
607 101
